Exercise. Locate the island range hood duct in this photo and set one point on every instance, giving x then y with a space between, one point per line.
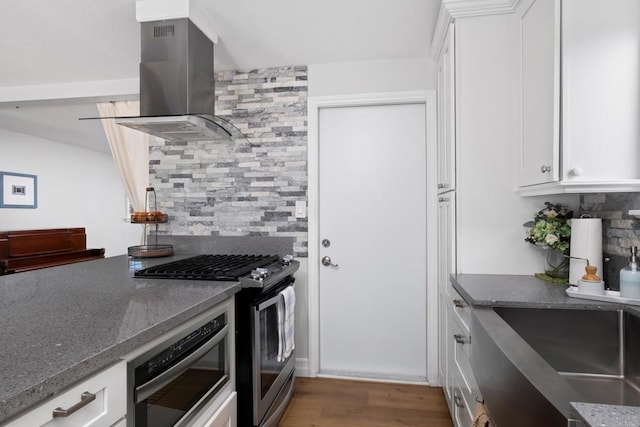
177 87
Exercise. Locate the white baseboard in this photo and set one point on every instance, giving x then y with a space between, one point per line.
302 367
377 379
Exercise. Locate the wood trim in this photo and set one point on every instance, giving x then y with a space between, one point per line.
576 187
38 262
450 10
38 242
440 32
468 8
23 250
91 91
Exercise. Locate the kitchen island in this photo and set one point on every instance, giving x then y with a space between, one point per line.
528 292
62 324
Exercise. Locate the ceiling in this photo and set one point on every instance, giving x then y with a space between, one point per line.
68 41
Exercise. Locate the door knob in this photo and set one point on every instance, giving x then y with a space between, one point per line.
326 261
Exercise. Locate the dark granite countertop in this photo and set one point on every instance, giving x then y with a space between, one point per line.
59 325
524 291
606 415
527 291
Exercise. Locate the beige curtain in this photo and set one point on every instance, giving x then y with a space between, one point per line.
130 149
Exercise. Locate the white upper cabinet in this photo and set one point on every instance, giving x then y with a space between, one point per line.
580 98
538 157
446 115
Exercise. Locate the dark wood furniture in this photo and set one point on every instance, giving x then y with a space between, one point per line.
24 250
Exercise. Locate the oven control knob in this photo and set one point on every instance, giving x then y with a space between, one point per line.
286 260
259 273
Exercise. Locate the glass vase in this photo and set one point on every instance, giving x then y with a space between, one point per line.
557 265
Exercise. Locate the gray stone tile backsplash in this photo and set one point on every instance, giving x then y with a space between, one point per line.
620 230
217 189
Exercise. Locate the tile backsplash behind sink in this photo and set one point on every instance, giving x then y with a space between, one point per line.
620 230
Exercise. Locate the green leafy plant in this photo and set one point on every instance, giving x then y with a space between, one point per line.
550 228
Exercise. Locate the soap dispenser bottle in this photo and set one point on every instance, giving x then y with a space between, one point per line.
630 277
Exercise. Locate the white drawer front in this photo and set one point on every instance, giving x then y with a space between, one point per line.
461 309
463 374
226 415
107 408
461 348
461 409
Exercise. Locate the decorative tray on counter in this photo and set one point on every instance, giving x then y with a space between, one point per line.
147 217
156 217
150 251
609 296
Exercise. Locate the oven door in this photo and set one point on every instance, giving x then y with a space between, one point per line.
175 395
269 374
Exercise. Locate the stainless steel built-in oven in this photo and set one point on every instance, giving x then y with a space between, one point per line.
171 383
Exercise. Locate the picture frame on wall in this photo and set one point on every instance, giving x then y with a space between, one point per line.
18 190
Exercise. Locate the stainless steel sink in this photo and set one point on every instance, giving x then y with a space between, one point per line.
530 363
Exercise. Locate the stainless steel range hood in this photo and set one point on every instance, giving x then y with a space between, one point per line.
177 88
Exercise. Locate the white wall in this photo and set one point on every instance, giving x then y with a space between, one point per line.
372 76
302 318
490 235
76 188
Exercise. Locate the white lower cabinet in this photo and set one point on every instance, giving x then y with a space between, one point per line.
443 343
461 384
446 265
99 401
461 414
226 415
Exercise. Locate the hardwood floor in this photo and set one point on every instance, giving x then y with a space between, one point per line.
322 402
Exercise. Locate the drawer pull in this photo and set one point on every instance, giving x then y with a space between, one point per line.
460 339
85 399
459 303
457 400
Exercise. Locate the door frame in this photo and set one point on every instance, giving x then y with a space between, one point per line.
314 105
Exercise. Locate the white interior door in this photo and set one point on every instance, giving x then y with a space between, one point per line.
372 210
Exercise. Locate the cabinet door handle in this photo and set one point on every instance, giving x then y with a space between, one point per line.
443 199
460 339
545 168
85 399
459 303
457 400
442 186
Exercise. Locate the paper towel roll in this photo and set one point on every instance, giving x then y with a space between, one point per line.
586 242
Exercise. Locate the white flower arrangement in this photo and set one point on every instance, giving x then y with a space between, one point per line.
550 228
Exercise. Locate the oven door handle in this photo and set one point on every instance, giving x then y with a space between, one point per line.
271 301
150 387
268 303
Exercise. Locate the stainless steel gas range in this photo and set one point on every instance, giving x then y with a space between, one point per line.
264 373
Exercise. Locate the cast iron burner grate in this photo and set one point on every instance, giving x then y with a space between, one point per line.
208 267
